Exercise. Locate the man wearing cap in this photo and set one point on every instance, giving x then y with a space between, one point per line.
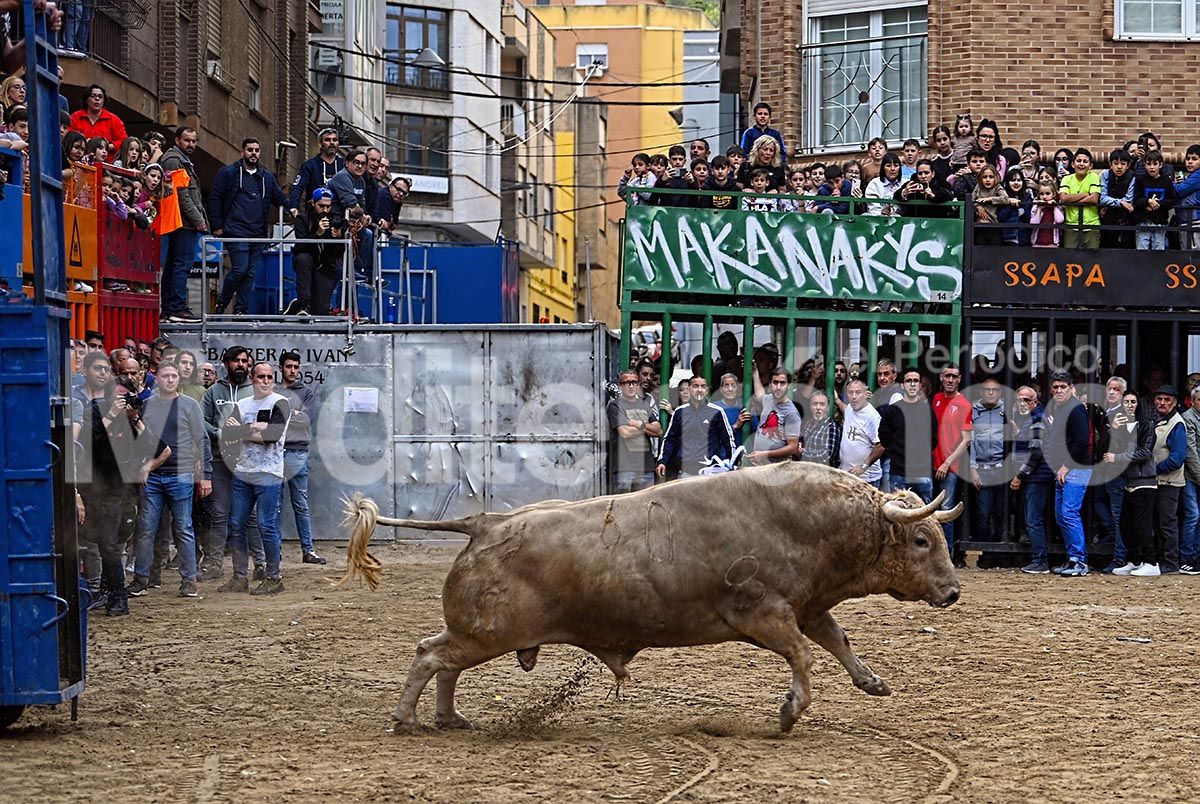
1170 451
315 172
318 266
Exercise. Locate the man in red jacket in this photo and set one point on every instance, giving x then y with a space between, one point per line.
94 121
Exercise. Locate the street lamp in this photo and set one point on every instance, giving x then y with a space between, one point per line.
428 58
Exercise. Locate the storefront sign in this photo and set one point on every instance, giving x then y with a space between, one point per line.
793 255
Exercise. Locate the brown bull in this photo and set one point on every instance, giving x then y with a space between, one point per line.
759 555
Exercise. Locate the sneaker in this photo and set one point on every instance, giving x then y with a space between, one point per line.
99 601
1189 569
211 574
137 588
1075 569
1147 571
235 584
117 607
293 307
188 589
1036 568
269 586
83 287
303 313
1126 569
260 572
1059 569
155 580
313 558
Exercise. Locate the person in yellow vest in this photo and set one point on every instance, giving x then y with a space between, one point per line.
1170 451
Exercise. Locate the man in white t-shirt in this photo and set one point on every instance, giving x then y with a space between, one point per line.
860 448
259 423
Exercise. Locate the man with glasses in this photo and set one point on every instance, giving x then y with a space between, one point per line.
953 413
1034 480
350 202
239 206
388 205
1067 449
908 435
317 171
208 375
633 419
259 423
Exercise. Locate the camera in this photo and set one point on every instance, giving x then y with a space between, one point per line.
132 401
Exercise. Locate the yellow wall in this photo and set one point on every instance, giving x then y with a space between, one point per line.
547 287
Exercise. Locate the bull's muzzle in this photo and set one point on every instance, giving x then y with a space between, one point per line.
949 599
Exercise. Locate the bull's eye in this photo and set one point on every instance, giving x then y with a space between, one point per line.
922 541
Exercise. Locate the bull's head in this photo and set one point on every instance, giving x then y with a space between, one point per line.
917 563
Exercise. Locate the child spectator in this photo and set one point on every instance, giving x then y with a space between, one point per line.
1047 173
852 172
658 167
963 181
760 181
816 174
1116 201
1031 154
796 179
925 185
871 166
761 128
944 149
1153 197
1047 217
111 199
885 186
676 177
763 156
130 155
910 152
736 157
963 142
1079 193
1020 204
834 187
987 196
1187 187
637 176
1062 162
97 150
988 137
719 180
1146 143
699 173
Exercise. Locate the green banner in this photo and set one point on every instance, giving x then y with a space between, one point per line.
789 254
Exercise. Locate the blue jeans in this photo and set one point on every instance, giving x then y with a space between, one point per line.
989 506
262 492
950 486
923 486
1188 541
1036 495
295 469
244 259
1151 237
1109 512
77 30
1068 501
181 254
174 490
626 482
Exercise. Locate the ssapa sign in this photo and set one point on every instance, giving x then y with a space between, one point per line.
793 254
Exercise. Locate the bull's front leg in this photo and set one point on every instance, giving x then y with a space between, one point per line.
825 631
772 624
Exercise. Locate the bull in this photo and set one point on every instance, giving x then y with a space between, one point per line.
759 555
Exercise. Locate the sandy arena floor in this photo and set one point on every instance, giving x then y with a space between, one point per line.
1025 690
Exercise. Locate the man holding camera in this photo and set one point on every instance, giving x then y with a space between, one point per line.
318 266
179 422
350 199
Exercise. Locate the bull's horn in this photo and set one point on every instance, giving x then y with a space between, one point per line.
901 515
949 516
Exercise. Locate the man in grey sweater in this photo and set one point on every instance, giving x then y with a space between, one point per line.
303 403
352 196
180 424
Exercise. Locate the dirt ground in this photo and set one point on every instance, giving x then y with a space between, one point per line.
1025 690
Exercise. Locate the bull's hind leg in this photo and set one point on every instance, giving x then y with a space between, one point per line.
825 631
446 655
772 624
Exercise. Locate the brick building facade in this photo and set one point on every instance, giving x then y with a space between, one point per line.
1064 73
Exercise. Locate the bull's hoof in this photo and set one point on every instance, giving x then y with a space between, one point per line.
874 685
527 658
405 725
787 716
457 721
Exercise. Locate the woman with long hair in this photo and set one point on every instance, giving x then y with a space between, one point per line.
12 91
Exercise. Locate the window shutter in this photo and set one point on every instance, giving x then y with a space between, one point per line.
212 26
255 56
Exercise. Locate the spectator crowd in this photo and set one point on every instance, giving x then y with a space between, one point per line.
1040 464
180 463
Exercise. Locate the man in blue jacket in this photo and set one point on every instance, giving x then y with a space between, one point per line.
318 170
240 206
697 431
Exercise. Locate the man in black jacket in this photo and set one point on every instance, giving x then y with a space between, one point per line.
318 266
908 434
1067 450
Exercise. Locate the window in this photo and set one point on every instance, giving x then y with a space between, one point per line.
411 29
255 70
328 69
865 77
587 55
212 24
333 18
418 144
491 163
548 208
1158 19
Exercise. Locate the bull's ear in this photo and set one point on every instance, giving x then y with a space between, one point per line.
949 516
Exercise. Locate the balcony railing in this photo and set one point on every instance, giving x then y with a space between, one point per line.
405 79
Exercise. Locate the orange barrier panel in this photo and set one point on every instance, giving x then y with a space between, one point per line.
128 315
79 230
84 313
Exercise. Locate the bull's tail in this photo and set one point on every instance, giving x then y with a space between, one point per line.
362 515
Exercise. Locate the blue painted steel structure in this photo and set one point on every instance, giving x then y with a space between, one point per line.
43 620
